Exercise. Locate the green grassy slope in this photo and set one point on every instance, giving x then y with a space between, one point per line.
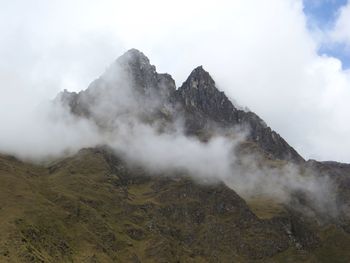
93 208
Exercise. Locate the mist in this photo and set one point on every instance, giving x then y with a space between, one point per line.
217 161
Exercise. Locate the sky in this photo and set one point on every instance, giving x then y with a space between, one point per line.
322 15
288 60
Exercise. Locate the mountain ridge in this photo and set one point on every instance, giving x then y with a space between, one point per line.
197 99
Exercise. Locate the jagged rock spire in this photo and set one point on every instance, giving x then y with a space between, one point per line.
199 92
143 75
136 60
199 78
204 103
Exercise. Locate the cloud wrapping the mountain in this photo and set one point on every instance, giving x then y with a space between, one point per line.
216 161
44 133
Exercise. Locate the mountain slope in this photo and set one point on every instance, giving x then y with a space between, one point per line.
93 208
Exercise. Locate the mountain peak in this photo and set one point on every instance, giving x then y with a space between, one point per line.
135 60
199 94
134 54
200 69
199 79
198 99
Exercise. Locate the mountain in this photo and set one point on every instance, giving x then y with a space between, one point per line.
92 207
203 103
198 101
97 206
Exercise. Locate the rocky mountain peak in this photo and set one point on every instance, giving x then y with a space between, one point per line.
198 101
199 79
132 69
136 60
199 93
205 103
142 75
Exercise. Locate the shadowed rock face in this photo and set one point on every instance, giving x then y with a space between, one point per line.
131 81
203 103
199 94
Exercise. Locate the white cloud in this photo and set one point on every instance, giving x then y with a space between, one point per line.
260 53
341 31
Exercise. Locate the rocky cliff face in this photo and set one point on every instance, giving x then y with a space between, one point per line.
134 83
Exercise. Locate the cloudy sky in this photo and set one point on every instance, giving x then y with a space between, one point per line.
287 60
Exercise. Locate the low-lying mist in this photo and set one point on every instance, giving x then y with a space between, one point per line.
217 160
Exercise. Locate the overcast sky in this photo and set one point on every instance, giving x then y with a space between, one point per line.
284 59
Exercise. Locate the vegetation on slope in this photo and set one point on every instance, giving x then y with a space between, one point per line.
94 208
